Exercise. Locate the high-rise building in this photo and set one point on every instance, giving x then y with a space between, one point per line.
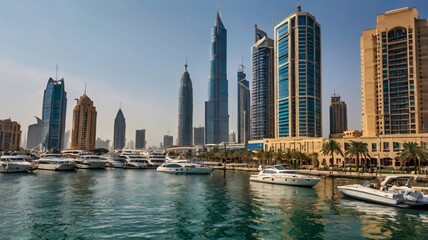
84 125
119 130
35 133
185 110
243 87
140 139
298 76
53 114
100 143
394 70
67 139
10 135
216 108
338 115
167 141
198 136
232 137
262 96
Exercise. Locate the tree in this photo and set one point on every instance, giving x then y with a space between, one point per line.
314 159
279 155
413 152
260 156
288 155
331 147
357 149
269 157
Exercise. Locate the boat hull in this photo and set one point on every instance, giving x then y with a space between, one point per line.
371 195
184 170
56 167
14 168
286 180
91 165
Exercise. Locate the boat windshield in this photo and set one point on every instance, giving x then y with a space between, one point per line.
279 167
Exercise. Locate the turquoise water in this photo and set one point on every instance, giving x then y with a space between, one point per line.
126 204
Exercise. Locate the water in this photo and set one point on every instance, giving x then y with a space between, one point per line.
125 204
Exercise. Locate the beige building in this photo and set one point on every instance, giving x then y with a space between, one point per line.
84 125
10 135
394 70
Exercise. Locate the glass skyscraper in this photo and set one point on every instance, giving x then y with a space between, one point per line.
243 87
298 76
119 130
53 114
185 110
262 97
338 115
216 108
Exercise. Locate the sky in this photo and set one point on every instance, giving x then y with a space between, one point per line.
131 54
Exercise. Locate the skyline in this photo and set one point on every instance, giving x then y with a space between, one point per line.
125 54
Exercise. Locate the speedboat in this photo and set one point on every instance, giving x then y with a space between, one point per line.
55 162
90 162
134 161
277 174
15 163
394 190
184 167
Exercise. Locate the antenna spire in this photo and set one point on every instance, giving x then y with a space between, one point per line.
56 74
185 65
85 88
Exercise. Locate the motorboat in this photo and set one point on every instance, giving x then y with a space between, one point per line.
134 161
15 163
114 161
277 174
184 167
55 162
395 190
154 159
90 162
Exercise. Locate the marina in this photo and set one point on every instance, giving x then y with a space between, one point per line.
117 203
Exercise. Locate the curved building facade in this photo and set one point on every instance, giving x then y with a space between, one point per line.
119 130
185 110
298 76
216 108
53 115
243 87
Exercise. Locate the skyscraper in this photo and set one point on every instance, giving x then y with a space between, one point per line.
198 136
167 141
185 110
84 125
53 114
140 139
243 87
298 76
10 135
216 108
35 133
394 70
119 130
262 97
338 115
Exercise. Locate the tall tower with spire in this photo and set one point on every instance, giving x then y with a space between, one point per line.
84 124
216 108
185 110
119 130
243 106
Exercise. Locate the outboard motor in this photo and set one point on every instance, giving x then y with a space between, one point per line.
413 196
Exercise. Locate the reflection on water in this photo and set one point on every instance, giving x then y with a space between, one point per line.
123 204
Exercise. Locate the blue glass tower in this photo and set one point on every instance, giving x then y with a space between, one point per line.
298 76
216 108
53 114
119 130
185 110
262 97
243 106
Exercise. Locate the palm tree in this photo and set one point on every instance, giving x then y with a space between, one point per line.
314 159
269 157
288 155
330 148
279 155
357 149
411 151
260 156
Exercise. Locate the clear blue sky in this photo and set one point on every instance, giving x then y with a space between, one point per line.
133 53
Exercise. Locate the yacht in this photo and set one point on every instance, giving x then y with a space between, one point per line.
184 167
134 161
15 163
55 162
154 159
90 162
390 191
114 161
277 174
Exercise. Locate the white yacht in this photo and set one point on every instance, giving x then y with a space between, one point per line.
277 174
90 162
184 167
394 190
154 159
134 161
114 161
55 162
15 163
